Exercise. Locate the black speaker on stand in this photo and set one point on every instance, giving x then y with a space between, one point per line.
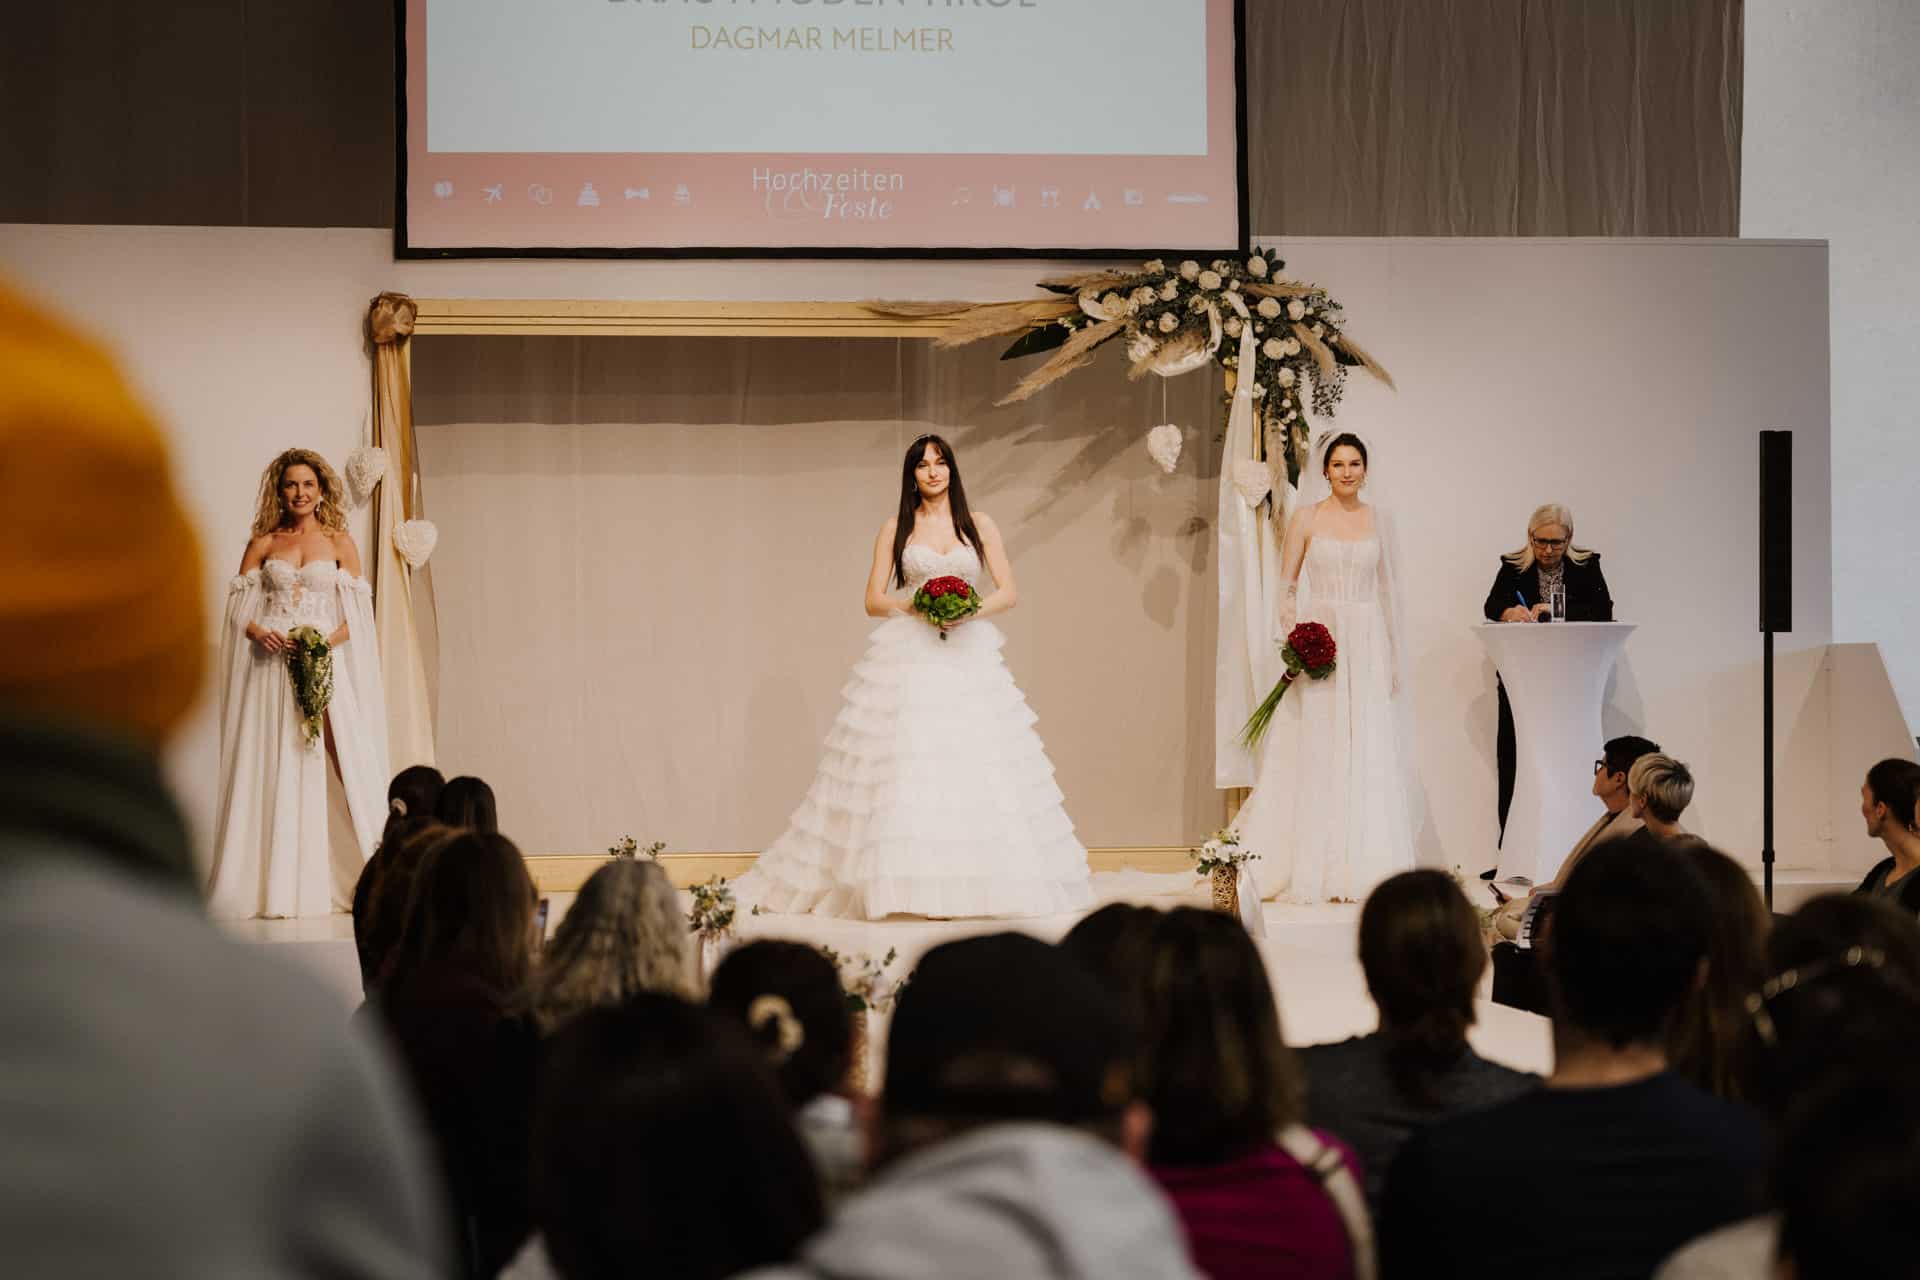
1776 610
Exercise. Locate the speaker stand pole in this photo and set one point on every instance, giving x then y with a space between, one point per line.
1766 767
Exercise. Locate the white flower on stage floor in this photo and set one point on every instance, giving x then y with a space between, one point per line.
1251 480
415 541
366 467
1163 444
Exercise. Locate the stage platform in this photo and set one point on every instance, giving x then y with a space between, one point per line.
1310 953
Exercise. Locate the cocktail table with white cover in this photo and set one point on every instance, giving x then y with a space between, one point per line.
1556 678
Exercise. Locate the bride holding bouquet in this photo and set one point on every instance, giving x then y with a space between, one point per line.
1333 803
934 796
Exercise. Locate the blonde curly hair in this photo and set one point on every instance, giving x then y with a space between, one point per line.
269 514
626 933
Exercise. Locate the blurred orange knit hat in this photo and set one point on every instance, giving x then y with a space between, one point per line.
100 579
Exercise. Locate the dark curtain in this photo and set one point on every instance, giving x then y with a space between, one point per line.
1365 117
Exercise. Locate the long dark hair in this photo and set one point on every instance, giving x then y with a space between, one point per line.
1705 1043
910 501
661 1145
1219 1077
789 998
467 801
1420 948
470 909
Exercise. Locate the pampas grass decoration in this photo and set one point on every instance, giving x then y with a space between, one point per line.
1322 358
1076 351
1367 362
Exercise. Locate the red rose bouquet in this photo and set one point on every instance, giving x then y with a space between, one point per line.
1309 651
944 600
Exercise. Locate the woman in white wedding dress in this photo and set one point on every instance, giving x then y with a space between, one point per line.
934 796
297 820
1333 804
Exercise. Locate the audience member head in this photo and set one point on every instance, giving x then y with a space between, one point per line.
1114 944
1218 1077
1844 993
466 801
624 934
1004 1028
414 792
1708 1037
661 1146
470 911
1844 1178
1422 952
788 996
1890 800
1616 761
1628 944
1660 789
373 944
97 628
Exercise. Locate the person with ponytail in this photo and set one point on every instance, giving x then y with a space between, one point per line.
1421 949
934 796
1889 799
789 998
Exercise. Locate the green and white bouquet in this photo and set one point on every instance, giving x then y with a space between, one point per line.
310 667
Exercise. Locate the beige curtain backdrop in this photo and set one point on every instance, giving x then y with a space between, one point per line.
652 553
1366 117
402 652
1494 117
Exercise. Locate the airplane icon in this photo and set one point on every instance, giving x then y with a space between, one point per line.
495 193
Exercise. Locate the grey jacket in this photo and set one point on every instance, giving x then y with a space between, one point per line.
1028 1200
174 1103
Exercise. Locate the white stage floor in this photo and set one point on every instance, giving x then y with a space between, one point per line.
1310 953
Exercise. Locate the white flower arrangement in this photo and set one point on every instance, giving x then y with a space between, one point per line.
1296 309
628 847
1169 291
711 916
366 467
1168 322
1273 349
1286 376
1154 265
1209 280
1257 267
1221 852
1163 446
1233 327
864 979
1269 307
415 541
1291 346
1189 270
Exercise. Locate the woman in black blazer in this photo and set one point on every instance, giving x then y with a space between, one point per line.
1519 594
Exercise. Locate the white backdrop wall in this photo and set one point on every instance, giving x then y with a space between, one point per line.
1828 149
1624 378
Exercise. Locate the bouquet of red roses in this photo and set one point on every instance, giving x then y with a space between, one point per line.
944 600
1309 651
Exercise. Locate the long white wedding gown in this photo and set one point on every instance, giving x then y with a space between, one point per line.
283 846
1332 804
934 796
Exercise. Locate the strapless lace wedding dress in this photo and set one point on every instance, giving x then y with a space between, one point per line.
1330 812
934 796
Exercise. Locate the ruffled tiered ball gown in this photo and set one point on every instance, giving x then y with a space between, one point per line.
934 796
291 840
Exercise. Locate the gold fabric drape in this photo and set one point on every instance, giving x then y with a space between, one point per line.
409 710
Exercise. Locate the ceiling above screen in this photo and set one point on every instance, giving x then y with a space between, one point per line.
820 127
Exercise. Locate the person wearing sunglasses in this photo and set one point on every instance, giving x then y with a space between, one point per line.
1548 568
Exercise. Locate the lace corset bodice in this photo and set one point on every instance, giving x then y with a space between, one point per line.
303 596
1344 571
922 563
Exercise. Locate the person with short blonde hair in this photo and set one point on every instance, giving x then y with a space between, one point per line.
1547 567
1659 789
